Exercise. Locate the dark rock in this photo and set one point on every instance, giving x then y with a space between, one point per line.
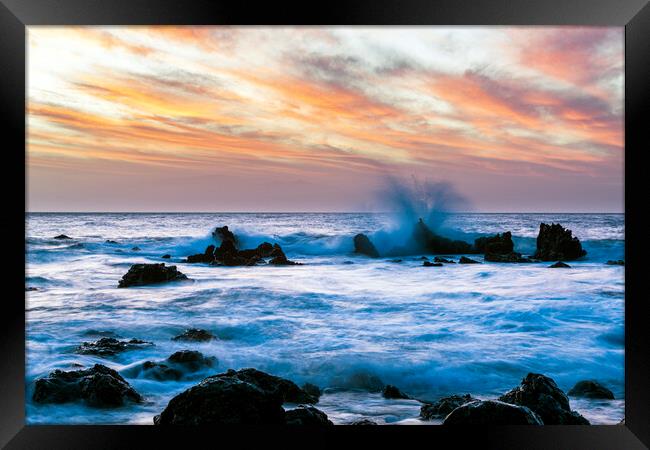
157 371
444 406
554 243
191 360
392 392
30 288
98 386
559 265
434 243
430 264
363 422
307 415
499 244
312 390
174 368
618 262
422 258
490 412
223 234
62 236
206 257
136 248
287 390
109 241
440 259
591 389
108 346
395 260
541 395
283 261
166 256
194 335
363 381
143 274
223 400
465 260
512 257
364 246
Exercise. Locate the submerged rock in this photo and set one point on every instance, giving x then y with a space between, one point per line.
166 256
591 389
430 264
512 257
194 335
30 289
465 260
441 259
491 412
361 380
109 241
363 422
62 236
559 265
155 371
136 249
618 262
176 367
392 392
499 244
98 386
108 346
541 395
434 243
192 360
444 406
306 415
555 243
364 246
143 274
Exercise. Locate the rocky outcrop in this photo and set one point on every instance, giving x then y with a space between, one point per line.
430 264
434 243
392 392
312 390
144 274
194 335
192 360
166 256
247 396
98 386
491 412
364 246
499 244
62 236
465 260
591 389
307 415
109 346
512 257
176 367
444 406
361 380
559 265
555 243
440 259
542 396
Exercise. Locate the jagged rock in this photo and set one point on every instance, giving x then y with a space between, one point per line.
555 243
62 236
618 262
499 244
175 367
465 260
155 371
444 406
166 256
364 246
363 422
434 243
559 265
223 234
108 346
591 389
392 392
194 335
542 396
491 412
98 386
512 257
191 360
307 415
430 264
287 390
143 274
206 257
312 390
440 259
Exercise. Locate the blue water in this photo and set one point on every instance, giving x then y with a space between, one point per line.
431 331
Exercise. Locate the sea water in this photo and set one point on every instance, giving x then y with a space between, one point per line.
431 331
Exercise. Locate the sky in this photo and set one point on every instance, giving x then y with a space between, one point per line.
157 118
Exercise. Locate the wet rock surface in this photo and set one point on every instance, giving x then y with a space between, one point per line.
176 367
287 390
591 389
512 257
144 274
618 262
441 259
465 260
363 422
306 416
491 412
364 246
432 242
194 335
312 390
98 386
392 392
500 244
555 243
431 264
109 346
559 265
444 406
62 236
542 396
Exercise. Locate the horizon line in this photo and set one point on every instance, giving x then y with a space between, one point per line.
316 212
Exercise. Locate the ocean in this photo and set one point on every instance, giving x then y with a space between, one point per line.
430 331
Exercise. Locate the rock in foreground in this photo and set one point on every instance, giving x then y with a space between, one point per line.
364 246
307 415
542 396
143 274
287 390
98 386
444 406
491 412
591 389
555 243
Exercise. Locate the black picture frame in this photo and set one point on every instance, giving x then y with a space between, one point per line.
16 15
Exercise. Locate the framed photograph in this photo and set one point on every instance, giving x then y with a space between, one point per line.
386 219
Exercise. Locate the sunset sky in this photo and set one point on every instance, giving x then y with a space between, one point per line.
317 118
